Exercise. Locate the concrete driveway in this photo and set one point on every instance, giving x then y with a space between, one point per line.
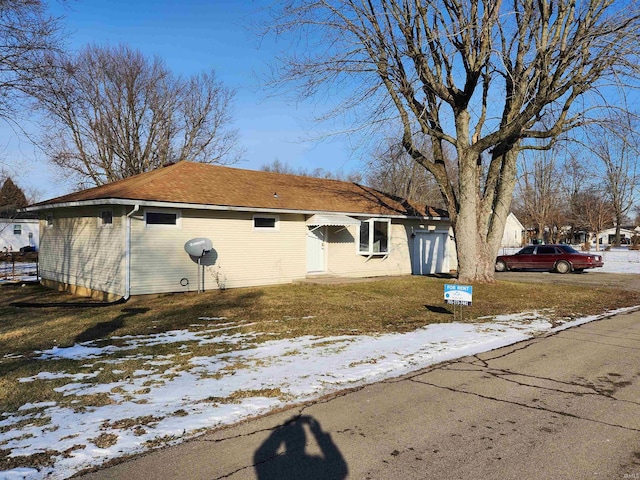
562 406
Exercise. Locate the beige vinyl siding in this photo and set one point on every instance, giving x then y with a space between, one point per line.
77 251
343 259
241 257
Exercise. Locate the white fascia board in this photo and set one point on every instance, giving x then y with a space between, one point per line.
199 206
19 220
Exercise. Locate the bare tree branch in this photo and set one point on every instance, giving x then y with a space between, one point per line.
27 35
111 113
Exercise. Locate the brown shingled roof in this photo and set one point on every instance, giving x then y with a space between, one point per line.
202 184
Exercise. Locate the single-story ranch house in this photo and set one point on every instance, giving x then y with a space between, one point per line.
129 237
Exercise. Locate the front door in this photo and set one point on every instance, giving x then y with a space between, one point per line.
429 253
315 250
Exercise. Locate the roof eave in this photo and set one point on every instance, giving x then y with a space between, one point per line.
197 206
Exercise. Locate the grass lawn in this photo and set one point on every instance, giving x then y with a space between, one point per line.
400 304
391 305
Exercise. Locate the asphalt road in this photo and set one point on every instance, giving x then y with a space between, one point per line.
562 406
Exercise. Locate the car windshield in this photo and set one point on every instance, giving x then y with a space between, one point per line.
568 249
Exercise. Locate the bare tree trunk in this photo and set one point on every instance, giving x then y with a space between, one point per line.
469 243
480 223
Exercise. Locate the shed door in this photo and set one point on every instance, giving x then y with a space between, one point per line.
315 250
429 253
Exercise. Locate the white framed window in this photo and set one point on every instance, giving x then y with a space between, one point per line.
17 229
374 236
162 218
105 220
266 223
49 219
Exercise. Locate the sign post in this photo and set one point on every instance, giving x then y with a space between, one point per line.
458 296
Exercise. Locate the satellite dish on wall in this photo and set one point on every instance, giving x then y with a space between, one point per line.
198 247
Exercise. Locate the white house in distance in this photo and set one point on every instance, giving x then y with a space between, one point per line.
607 237
16 233
128 237
513 234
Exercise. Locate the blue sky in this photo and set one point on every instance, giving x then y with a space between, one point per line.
193 36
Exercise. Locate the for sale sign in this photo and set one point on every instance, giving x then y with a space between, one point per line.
458 294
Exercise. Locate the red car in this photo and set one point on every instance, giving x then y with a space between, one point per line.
557 258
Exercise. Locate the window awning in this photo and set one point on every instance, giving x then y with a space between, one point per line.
331 220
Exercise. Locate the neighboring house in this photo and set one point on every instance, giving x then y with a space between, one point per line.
575 236
514 232
17 232
607 237
128 237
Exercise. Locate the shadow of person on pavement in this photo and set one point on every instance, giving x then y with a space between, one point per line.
285 454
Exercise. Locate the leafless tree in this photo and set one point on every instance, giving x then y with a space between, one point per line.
616 145
577 177
27 35
110 113
597 211
393 171
486 77
282 167
636 215
540 193
278 166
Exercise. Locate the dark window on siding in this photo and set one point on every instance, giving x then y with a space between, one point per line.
106 218
264 222
159 218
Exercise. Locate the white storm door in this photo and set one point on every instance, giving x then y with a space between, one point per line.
428 253
315 250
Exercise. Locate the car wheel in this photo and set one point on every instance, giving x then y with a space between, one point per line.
563 267
501 266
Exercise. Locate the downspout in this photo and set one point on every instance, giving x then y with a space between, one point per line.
127 254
